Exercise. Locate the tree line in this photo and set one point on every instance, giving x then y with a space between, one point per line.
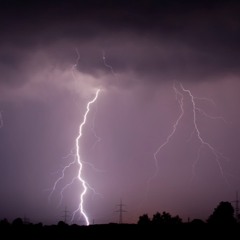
222 214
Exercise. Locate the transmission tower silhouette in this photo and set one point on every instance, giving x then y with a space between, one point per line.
237 207
66 215
26 220
121 211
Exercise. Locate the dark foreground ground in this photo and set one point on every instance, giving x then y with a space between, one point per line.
123 231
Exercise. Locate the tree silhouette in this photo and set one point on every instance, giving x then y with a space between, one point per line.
144 219
18 222
197 221
176 220
166 217
222 214
62 224
157 218
4 223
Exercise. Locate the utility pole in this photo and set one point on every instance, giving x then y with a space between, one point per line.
25 220
121 211
237 207
66 215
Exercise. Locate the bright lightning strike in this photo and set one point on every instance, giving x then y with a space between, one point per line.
79 161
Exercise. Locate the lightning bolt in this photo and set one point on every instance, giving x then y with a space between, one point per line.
179 98
79 162
181 93
203 143
80 178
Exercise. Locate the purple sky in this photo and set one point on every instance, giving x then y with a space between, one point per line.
150 46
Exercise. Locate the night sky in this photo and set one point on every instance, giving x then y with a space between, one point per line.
142 55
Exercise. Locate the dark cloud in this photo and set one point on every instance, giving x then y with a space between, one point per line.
161 40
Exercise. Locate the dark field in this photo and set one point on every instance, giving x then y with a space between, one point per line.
118 231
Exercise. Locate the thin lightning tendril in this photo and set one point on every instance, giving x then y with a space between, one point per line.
105 63
60 178
209 116
75 65
180 92
205 99
64 188
179 98
98 139
93 167
217 154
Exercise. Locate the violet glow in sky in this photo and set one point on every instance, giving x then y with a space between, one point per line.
149 45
